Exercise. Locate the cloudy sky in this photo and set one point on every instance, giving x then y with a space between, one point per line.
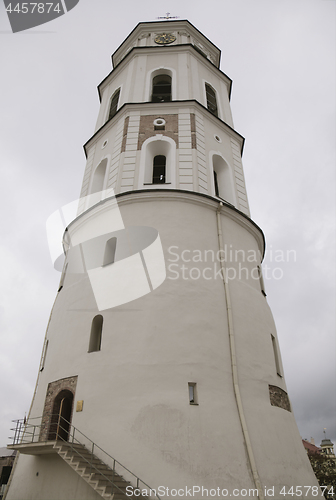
281 57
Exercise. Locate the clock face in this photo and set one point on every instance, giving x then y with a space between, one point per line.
165 38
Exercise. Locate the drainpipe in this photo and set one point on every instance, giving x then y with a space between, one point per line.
234 369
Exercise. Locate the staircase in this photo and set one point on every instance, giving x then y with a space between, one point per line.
106 475
104 480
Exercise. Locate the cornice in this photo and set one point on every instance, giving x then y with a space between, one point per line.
169 105
159 195
159 25
169 48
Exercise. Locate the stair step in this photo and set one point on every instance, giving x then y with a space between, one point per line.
114 495
87 463
108 488
94 471
86 477
109 474
103 482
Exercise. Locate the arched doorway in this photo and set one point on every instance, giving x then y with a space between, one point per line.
61 416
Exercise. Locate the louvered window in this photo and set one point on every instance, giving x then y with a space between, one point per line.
114 104
211 100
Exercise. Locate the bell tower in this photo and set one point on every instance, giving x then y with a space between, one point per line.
161 363
168 87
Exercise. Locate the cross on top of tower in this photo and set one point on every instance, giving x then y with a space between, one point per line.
167 16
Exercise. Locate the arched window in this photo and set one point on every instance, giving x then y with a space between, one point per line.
159 169
99 177
114 104
223 185
158 162
96 333
211 99
110 250
161 88
159 82
97 184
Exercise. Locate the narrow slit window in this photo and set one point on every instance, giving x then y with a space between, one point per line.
261 281
276 355
161 88
192 393
159 169
216 183
96 333
63 277
114 104
44 354
110 250
211 99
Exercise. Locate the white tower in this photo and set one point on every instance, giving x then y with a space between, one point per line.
172 370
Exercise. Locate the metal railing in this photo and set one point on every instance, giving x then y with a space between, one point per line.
25 432
61 430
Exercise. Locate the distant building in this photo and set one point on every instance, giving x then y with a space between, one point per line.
7 458
323 462
310 447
